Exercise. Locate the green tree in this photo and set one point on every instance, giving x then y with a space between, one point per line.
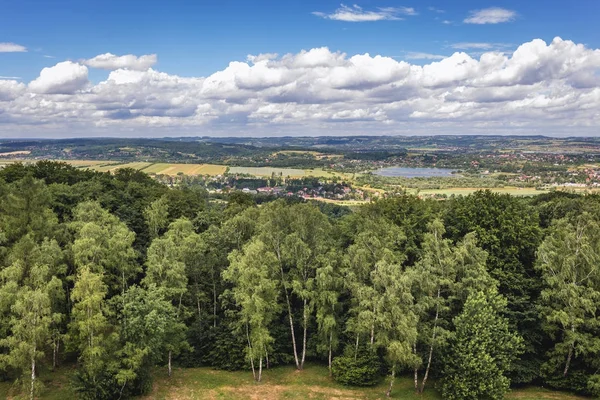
375 241
253 274
157 216
166 268
481 350
395 319
569 261
104 245
152 329
90 332
436 277
329 285
30 298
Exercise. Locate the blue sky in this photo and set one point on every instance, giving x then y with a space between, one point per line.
196 39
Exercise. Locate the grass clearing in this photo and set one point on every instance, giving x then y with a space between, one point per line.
278 383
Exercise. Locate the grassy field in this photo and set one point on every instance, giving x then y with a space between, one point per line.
165 168
186 169
278 383
268 171
113 167
514 191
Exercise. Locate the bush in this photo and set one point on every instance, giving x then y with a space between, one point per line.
365 370
100 387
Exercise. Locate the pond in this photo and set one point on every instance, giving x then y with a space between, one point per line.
414 172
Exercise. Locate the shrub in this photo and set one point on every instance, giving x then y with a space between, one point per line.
365 370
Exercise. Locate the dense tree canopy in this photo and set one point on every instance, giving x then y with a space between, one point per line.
114 274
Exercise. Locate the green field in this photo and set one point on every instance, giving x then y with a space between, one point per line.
514 191
268 171
278 383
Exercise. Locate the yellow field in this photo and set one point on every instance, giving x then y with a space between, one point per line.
15 153
113 167
167 169
186 169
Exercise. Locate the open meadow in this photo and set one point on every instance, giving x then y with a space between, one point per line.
278 383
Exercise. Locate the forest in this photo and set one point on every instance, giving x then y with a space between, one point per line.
115 275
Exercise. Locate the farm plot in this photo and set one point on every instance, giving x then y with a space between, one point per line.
268 171
186 169
113 167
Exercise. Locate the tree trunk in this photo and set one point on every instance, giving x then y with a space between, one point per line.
199 309
260 369
330 351
170 368
305 321
32 392
437 313
289 306
267 357
214 304
373 328
570 355
251 356
416 369
356 348
389 391
55 353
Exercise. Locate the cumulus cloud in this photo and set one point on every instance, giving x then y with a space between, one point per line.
64 78
492 15
112 62
12 48
356 13
541 88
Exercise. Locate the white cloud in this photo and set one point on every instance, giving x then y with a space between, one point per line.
492 15
423 56
64 78
111 62
472 45
436 10
543 88
10 77
12 48
356 13
10 90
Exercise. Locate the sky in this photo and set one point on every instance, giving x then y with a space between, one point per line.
72 68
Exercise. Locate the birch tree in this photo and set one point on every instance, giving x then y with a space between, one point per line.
396 321
569 260
103 244
436 276
253 274
329 284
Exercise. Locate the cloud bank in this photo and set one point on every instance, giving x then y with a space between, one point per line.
111 62
541 88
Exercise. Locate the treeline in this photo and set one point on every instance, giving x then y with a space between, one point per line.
116 274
